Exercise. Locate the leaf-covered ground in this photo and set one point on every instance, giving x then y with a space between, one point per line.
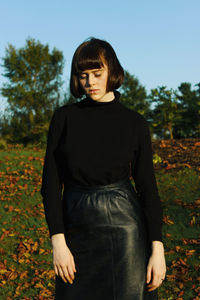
26 270
177 154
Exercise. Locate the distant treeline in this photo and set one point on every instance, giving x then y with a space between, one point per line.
34 89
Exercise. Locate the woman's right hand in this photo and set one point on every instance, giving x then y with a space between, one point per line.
63 259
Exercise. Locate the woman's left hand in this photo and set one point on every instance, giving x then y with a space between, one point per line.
156 268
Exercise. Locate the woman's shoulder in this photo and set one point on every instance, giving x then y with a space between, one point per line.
71 105
63 109
135 116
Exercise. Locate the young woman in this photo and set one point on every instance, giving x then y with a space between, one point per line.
106 234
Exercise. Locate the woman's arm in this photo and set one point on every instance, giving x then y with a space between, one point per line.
51 192
146 186
51 189
145 182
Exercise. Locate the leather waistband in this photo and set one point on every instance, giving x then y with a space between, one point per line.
121 182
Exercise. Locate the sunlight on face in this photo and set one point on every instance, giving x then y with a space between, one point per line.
94 83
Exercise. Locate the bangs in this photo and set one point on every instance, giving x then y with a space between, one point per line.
88 58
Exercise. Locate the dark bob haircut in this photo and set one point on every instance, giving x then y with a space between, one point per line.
93 54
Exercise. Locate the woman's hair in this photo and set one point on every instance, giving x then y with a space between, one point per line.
92 54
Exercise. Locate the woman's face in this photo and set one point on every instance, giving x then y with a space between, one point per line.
94 83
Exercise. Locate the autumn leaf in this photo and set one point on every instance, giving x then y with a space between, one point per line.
190 252
166 220
39 285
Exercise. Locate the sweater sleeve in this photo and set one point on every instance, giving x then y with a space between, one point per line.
51 188
145 183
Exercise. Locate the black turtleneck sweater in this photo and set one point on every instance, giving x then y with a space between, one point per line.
94 143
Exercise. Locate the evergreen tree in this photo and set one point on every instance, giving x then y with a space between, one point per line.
189 107
165 111
133 94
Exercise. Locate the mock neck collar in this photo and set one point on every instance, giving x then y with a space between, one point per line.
92 102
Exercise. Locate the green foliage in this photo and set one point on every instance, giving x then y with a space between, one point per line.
176 114
188 125
133 94
156 159
164 113
3 144
32 90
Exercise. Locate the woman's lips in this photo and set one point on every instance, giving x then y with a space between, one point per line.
93 91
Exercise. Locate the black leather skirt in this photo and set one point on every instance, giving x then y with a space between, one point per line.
106 233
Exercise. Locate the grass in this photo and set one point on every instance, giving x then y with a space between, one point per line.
26 270
180 194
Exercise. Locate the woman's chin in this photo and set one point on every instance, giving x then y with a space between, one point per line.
95 96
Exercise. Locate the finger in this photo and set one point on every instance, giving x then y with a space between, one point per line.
73 268
156 280
56 270
61 274
70 271
73 264
150 285
66 274
152 289
148 275
153 286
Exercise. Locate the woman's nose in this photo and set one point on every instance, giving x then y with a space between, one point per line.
90 80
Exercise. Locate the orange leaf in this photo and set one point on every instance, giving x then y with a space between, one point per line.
171 277
39 286
35 246
181 294
178 248
24 274
167 220
182 262
190 252
168 235
181 285
13 275
41 251
197 144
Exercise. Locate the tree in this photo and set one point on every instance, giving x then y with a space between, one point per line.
32 90
133 94
198 109
68 98
165 111
189 107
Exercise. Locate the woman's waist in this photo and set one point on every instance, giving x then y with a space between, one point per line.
77 185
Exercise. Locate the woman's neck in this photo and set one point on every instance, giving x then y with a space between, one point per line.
115 100
105 98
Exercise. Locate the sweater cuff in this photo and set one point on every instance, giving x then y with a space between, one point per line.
55 231
155 232
55 227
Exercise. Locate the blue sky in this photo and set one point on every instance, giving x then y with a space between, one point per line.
157 41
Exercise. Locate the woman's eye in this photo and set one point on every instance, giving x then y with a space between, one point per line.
97 74
82 76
